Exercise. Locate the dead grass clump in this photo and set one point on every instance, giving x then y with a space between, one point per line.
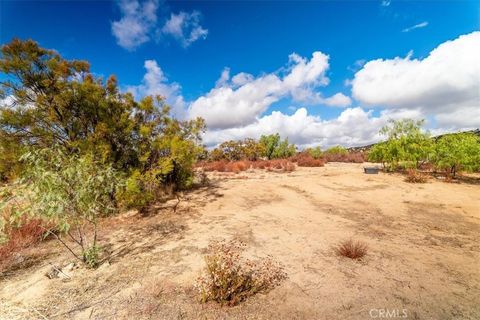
230 278
352 249
414 176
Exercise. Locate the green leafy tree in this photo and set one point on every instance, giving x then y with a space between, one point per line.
456 152
270 143
275 148
284 150
232 150
378 153
252 149
407 145
57 102
73 193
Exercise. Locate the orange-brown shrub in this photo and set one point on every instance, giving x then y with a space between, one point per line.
260 164
414 176
243 165
305 159
310 162
353 157
289 167
281 165
219 166
29 232
352 249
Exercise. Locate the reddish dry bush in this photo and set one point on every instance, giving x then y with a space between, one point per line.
29 232
243 165
310 162
260 164
352 157
237 166
289 167
219 166
352 249
230 278
280 165
414 176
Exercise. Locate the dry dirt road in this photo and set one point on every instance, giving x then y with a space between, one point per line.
423 259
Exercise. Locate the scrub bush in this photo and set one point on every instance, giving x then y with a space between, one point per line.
229 278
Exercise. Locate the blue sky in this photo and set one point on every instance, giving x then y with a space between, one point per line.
191 44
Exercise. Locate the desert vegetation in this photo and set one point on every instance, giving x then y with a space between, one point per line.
352 249
231 278
409 148
81 148
114 189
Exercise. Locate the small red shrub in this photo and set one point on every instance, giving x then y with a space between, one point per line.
30 232
243 165
353 157
310 162
260 164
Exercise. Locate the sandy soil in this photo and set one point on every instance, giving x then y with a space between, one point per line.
422 263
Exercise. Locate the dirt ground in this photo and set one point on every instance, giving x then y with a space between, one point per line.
423 260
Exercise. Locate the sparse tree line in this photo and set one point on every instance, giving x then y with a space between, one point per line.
408 147
270 147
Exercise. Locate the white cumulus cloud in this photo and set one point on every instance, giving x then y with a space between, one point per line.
444 83
443 87
240 100
353 127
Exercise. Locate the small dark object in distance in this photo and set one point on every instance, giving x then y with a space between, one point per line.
371 170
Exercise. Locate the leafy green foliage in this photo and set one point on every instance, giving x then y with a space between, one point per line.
10 152
315 153
406 144
455 152
270 143
72 192
247 149
58 102
91 256
275 148
336 150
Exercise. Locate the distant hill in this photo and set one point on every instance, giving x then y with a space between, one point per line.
367 147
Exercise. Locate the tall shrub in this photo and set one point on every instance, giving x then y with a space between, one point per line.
72 192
